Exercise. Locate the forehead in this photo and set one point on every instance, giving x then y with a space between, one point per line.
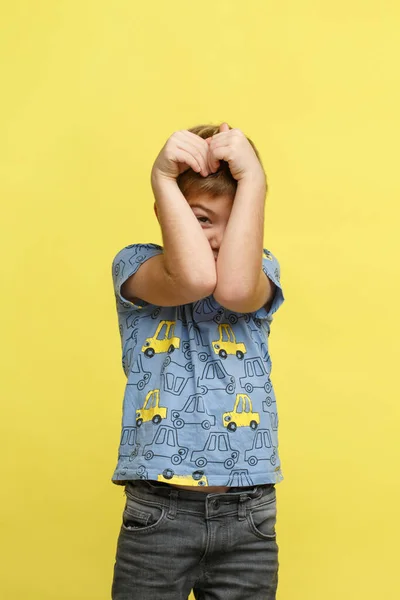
217 205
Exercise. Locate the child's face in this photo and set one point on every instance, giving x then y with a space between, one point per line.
213 215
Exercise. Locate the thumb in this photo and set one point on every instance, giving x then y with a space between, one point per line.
223 127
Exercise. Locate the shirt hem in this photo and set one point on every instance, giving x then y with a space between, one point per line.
122 477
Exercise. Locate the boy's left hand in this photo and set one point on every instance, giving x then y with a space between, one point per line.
232 146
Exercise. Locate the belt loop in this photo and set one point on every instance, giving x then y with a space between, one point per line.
242 507
173 503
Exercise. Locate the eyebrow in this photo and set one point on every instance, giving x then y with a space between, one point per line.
203 208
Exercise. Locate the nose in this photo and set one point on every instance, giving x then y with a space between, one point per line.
215 241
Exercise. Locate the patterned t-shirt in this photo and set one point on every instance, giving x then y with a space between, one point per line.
199 406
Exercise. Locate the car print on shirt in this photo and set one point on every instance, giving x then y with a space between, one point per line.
262 441
260 330
242 414
208 309
142 472
227 343
233 318
267 403
163 340
198 344
175 382
128 446
127 355
239 478
151 410
118 273
133 320
192 414
254 369
138 375
197 478
165 443
216 378
265 356
188 350
217 449
273 417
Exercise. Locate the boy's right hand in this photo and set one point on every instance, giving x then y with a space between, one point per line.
183 150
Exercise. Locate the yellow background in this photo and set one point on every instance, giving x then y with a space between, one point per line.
91 90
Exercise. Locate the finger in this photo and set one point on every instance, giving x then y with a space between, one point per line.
213 162
199 151
223 137
205 150
212 167
190 135
221 153
192 150
198 144
223 127
203 146
193 138
187 158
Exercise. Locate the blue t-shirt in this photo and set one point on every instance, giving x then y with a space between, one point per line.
199 406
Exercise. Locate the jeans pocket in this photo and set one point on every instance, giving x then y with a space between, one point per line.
140 516
262 519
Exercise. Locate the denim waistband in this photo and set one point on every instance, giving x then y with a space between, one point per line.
164 489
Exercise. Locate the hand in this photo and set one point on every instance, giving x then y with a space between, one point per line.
183 150
232 146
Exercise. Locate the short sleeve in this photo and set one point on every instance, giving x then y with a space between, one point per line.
125 264
271 268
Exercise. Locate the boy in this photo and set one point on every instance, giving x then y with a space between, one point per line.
198 454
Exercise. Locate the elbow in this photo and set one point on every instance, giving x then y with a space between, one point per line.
204 285
197 281
240 303
194 287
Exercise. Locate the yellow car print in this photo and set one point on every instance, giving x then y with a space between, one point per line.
151 410
227 343
242 414
197 478
163 340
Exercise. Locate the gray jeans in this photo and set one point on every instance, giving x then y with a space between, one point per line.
223 546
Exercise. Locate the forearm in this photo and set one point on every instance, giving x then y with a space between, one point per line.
239 261
187 253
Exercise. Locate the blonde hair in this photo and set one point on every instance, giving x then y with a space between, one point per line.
216 184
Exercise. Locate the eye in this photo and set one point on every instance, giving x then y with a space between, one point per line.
200 219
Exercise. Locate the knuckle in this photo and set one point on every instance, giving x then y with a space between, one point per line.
170 143
198 156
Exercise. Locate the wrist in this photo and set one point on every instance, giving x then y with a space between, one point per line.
160 179
254 178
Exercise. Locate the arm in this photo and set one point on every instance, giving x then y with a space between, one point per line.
185 271
188 258
241 284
